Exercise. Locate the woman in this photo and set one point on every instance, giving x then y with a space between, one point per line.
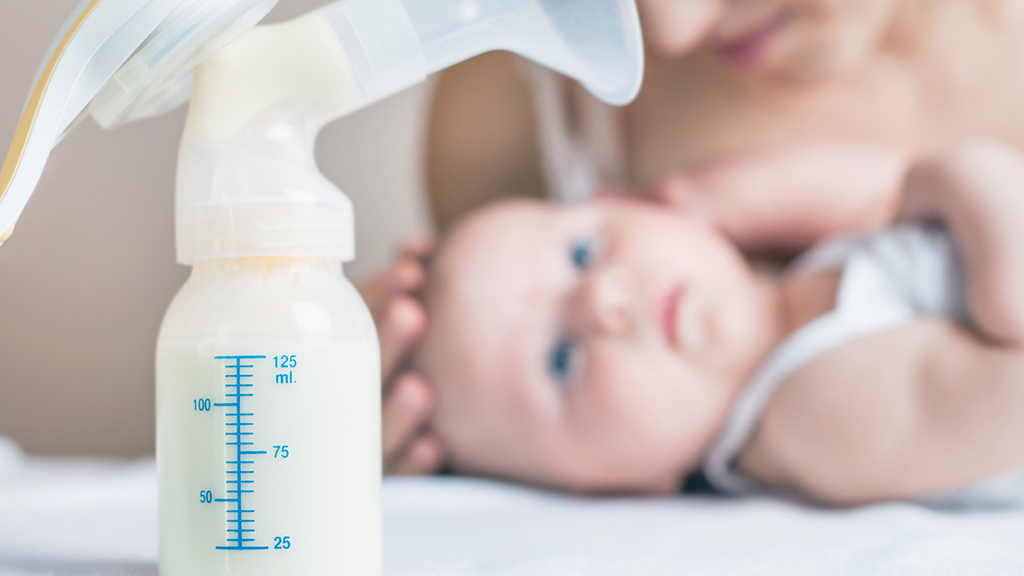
825 99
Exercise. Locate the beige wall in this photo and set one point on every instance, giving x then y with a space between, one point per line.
87 276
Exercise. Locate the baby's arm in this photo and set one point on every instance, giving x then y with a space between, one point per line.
930 406
792 198
908 413
978 190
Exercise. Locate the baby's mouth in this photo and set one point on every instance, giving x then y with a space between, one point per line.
680 320
669 313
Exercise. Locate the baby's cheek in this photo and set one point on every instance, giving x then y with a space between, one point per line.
634 396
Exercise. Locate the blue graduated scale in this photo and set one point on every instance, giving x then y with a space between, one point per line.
239 470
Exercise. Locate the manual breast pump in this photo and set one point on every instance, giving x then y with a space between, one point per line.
268 376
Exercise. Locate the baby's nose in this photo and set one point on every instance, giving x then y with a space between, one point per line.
610 297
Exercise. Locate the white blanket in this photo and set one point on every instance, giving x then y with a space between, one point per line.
99 518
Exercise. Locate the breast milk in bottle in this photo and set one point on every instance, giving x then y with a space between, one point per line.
268 365
268 403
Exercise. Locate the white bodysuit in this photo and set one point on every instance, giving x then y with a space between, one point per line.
889 278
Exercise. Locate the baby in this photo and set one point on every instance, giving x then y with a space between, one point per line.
618 346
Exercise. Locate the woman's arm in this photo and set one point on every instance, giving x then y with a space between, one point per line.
787 200
482 142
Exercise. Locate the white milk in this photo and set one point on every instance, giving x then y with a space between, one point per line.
268 367
302 343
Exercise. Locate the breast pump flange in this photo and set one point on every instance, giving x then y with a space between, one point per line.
268 376
139 52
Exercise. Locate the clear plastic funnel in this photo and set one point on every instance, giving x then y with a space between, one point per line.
397 43
141 52
596 42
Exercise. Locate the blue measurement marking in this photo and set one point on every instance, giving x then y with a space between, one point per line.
235 535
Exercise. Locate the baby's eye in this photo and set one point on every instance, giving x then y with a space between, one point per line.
562 360
583 253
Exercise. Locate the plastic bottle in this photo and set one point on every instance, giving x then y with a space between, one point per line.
292 338
268 366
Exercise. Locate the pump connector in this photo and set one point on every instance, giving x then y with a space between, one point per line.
248 184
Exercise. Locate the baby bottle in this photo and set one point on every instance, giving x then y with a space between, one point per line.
268 431
268 366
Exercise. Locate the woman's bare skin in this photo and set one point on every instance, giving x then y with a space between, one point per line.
926 82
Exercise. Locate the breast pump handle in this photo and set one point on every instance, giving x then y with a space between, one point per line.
391 45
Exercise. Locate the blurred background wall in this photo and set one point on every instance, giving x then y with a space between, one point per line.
86 278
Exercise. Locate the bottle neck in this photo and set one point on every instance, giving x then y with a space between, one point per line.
248 184
268 267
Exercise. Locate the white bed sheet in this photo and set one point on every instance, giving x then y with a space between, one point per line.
99 518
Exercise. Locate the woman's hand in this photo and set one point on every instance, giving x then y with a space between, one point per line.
789 199
409 448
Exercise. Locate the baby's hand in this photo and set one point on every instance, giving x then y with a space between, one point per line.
393 299
975 188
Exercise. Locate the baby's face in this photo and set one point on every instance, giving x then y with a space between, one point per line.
592 348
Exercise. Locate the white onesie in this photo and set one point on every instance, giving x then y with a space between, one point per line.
888 278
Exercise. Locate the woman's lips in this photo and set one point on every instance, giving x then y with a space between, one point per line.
749 46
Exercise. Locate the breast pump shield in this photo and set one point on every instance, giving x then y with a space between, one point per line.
123 60
248 184
597 43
